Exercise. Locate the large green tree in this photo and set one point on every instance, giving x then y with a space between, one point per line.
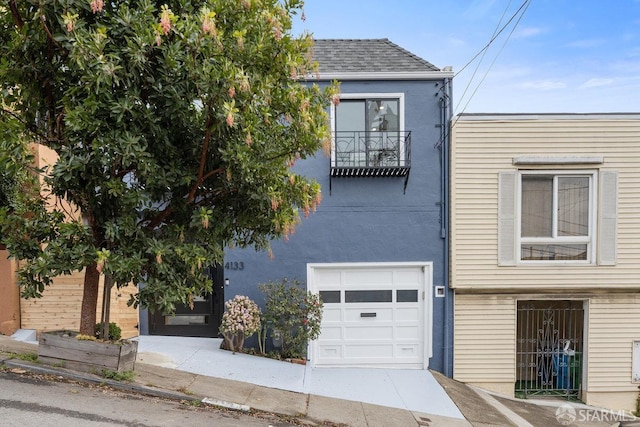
176 124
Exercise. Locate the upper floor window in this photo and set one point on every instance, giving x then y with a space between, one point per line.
372 115
556 216
369 136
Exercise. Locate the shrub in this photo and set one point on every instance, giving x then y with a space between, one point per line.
240 320
294 314
115 333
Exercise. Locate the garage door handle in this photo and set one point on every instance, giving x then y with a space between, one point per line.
367 314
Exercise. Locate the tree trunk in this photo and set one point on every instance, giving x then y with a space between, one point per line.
89 300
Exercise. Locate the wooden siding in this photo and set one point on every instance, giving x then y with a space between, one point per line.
484 339
614 323
59 308
481 149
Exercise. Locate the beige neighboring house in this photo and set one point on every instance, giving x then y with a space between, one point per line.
545 255
59 307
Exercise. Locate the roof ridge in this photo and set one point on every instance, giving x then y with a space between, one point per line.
357 56
409 53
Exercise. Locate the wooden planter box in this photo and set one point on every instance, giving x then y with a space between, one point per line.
61 348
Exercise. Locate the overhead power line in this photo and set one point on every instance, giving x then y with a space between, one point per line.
522 6
519 14
526 6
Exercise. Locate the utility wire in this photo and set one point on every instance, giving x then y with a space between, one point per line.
484 53
494 37
527 3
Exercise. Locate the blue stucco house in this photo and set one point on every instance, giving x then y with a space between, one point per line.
376 249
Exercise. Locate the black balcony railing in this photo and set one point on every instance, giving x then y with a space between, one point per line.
371 153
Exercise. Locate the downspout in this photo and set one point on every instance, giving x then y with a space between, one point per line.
445 120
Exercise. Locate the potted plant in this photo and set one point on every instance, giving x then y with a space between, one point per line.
86 353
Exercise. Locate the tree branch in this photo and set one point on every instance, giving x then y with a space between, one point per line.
15 13
159 219
205 148
43 19
202 176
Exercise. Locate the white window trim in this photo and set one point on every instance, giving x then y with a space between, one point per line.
365 95
591 239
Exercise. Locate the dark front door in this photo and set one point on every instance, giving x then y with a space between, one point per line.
201 321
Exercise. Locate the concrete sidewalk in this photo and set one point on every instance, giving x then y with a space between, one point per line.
238 382
165 372
408 389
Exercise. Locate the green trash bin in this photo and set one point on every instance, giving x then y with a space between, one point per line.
575 370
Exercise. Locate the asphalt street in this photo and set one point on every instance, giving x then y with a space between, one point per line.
28 400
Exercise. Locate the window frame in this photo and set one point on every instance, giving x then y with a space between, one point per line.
366 96
590 240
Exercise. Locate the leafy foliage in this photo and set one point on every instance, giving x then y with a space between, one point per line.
293 313
176 125
19 189
115 332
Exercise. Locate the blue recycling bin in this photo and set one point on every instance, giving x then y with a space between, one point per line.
561 371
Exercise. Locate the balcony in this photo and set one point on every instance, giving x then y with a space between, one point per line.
362 153
371 154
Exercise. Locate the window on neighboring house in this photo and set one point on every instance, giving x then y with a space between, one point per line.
369 132
557 216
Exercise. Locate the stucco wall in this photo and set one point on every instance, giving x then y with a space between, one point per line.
366 219
10 300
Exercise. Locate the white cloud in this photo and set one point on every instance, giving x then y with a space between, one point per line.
596 83
544 85
529 32
586 44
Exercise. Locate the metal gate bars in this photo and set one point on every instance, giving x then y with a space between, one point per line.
549 346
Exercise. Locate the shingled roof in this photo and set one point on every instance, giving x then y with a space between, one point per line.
367 56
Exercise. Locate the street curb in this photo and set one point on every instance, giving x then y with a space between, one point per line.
136 388
228 405
94 379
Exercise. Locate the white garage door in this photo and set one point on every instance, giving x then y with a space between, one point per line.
375 314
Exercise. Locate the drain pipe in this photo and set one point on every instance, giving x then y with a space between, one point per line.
444 146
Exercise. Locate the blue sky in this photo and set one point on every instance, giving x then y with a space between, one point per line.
571 56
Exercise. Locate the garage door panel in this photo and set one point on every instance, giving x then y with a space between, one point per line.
408 332
329 277
331 353
374 316
407 350
368 314
409 277
370 351
331 333
331 314
408 314
367 277
355 333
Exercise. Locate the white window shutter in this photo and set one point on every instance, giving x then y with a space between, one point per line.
507 218
608 216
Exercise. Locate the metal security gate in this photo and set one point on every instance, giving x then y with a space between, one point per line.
549 348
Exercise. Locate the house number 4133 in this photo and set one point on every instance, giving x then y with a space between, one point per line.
234 265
